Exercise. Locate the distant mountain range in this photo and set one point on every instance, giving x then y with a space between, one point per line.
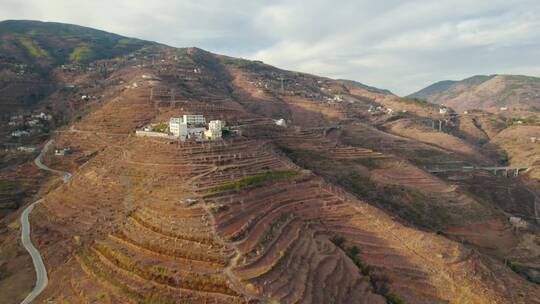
491 93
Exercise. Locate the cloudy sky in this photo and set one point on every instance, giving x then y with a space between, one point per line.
399 45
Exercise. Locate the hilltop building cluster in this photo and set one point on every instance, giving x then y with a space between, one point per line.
186 127
380 110
24 125
62 151
447 111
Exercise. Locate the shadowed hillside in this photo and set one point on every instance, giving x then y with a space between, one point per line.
48 44
30 50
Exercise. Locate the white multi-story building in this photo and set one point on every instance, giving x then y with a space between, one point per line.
178 127
194 119
192 126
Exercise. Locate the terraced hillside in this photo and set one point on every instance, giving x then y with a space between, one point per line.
338 206
233 221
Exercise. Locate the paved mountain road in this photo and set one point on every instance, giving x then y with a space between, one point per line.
41 272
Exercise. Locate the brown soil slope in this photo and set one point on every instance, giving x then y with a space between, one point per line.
237 221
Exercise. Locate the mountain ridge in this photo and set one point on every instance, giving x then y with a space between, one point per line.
49 44
493 93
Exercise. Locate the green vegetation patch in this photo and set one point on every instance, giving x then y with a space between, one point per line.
378 281
7 186
15 225
528 121
32 48
300 155
256 180
375 163
126 43
161 127
411 205
417 101
524 272
90 264
514 86
82 54
242 63
475 111
182 52
148 298
522 78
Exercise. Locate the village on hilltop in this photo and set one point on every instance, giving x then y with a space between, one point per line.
192 127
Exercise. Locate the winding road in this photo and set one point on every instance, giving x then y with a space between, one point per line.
41 272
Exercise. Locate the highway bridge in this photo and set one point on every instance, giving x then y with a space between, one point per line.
507 171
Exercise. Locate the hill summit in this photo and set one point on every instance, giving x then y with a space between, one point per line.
49 44
491 93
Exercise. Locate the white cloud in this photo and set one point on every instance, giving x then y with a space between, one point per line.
394 44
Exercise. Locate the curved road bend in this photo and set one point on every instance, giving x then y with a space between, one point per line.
41 272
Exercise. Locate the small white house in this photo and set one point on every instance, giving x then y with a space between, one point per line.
214 129
337 98
27 149
281 122
443 110
62 152
43 116
518 222
33 122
